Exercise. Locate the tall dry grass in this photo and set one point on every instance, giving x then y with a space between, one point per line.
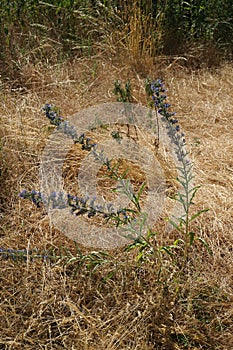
121 305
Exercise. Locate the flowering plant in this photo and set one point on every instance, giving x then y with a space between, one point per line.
86 206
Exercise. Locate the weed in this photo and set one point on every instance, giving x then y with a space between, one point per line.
185 170
134 219
124 94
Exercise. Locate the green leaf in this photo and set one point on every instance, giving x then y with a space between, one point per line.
130 247
192 236
181 198
198 214
140 191
151 234
175 225
174 197
109 276
123 176
177 241
166 250
184 184
194 189
79 250
205 244
140 257
70 261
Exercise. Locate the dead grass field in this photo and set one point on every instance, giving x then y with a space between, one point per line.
120 305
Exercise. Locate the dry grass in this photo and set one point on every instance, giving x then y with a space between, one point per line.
121 305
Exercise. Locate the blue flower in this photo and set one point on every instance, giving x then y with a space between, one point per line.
34 196
51 114
23 194
13 254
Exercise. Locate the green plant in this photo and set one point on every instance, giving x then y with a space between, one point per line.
91 261
132 221
123 93
187 191
200 21
185 197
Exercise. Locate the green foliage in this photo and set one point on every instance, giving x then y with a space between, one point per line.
48 30
145 246
132 222
197 21
51 30
91 261
123 93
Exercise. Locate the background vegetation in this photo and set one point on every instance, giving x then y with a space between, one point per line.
52 30
70 53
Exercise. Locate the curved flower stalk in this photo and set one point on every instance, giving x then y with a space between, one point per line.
63 125
124 184
79 206
146 245
156 90
91 260
21 254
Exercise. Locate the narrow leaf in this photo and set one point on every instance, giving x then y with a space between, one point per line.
192 236
167 250
198 214
175 225
205 244
140 190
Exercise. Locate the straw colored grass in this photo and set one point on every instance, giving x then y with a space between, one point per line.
121 305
